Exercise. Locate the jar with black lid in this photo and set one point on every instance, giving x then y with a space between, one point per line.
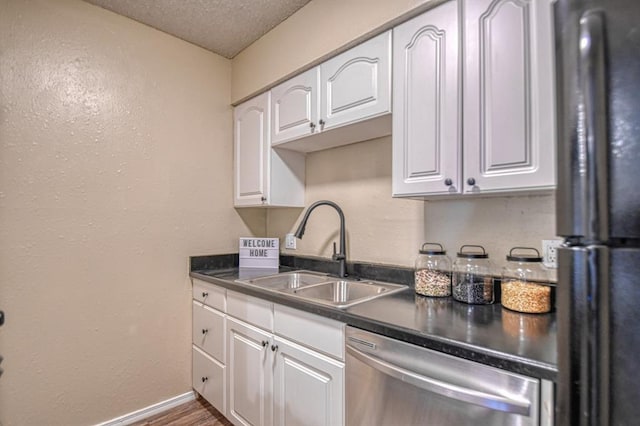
525 282
473 276
433 271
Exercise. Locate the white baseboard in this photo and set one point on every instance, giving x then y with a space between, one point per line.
151 410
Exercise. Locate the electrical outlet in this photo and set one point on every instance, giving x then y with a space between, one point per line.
549 252
290 242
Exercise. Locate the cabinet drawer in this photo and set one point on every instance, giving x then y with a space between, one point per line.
322 334
252 310
208 377
208 330
209 294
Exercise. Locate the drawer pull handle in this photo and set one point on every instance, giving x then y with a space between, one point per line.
204 294
264 343
204 379
205 331
274 348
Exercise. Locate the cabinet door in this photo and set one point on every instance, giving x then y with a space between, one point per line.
295 107
426 144
250 369
308 387
357 83
251 136
509 136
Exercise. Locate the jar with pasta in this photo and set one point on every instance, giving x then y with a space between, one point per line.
433 271
525 283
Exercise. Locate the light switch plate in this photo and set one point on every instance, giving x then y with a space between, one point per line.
290 242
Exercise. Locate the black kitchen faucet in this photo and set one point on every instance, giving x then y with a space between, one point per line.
341 256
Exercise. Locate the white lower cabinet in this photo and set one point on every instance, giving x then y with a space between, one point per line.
250 374
208 330
209 378
273 381
263 364
308 388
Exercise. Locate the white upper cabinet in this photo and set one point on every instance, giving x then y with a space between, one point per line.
263 176
509 105
356 84
508 100
251 124
295 106
344 100
426 141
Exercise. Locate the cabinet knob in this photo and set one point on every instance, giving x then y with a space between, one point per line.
312 125
321 123
263 199
274 348
448 182
204 379
204 294
471 181
205 331
264 343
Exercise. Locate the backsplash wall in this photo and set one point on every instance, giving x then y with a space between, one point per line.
388 230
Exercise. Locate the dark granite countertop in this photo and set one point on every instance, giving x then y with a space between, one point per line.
490 334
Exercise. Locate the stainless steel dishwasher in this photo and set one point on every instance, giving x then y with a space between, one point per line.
390 382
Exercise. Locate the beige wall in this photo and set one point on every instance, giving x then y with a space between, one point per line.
115 166
382 229
316 30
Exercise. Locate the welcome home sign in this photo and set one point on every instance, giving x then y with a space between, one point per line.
259 252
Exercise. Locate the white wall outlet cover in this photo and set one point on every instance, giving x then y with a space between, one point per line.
290 242
549 252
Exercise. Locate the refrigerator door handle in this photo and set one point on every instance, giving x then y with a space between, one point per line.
583 396
592 133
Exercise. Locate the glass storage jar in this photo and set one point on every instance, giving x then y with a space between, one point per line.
433 271
472 276
525 282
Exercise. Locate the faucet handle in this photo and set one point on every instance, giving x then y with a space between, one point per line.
336 256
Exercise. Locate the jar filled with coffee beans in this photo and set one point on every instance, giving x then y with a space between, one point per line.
525 282
473 276
433 271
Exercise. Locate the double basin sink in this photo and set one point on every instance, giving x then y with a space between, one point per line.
324 289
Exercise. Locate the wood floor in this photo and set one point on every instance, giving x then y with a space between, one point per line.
194 413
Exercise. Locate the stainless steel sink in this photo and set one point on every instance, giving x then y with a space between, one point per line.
343 293
323 289
288 280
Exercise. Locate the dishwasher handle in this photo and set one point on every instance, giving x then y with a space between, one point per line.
448 390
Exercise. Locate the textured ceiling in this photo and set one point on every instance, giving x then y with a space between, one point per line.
221 26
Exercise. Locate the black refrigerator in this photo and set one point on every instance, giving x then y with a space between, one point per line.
598 212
